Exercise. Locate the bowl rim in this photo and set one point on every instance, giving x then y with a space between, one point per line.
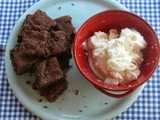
120 86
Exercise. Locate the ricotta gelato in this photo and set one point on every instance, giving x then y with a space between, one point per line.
116 57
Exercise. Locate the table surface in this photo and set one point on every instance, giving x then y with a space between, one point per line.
147 107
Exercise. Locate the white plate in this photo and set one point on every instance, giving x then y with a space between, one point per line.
68 106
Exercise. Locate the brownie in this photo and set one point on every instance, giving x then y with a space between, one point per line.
34 43
34 35
21 63
48 72
58 43
50 80
65 55
64 60
43 44
52 92
44 47
65 24
39 21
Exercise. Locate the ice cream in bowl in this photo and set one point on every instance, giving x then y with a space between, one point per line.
116 51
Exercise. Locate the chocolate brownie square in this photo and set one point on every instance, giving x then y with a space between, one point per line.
38 21
34 43
48 72
65 24
43 44
64 59
52 92
62 47
58 43
21 63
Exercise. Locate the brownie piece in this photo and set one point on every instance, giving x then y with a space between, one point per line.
34 35
44 47
52 92
65 24
58 43
62 47
50 80
48 72
21 63
34 43
39 21
64 60
43 44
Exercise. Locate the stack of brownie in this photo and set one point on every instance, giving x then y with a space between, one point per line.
44 48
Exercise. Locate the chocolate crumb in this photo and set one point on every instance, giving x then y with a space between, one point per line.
80 110
71 66
44 106
76 92
106 103
59 108
30 74
72 4
28 82
59 8
83 96
40 100
68 90
85 106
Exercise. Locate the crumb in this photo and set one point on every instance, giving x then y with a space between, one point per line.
83 96
28 82
44 106
59 8
72 4
71 66
40 100
76 92
80 110
63 98
68 90
30 74
85 106
101 103
59 108
106 103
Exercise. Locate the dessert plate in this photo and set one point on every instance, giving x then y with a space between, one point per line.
81 101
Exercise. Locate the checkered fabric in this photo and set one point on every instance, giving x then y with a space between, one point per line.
147 107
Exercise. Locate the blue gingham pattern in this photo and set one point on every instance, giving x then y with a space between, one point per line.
147 107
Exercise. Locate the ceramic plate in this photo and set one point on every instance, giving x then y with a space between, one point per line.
88 104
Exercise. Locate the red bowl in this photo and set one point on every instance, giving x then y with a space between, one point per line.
117 19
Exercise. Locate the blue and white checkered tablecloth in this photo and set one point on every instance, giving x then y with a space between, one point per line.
147 107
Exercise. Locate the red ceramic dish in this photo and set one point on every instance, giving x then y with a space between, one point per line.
117 19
